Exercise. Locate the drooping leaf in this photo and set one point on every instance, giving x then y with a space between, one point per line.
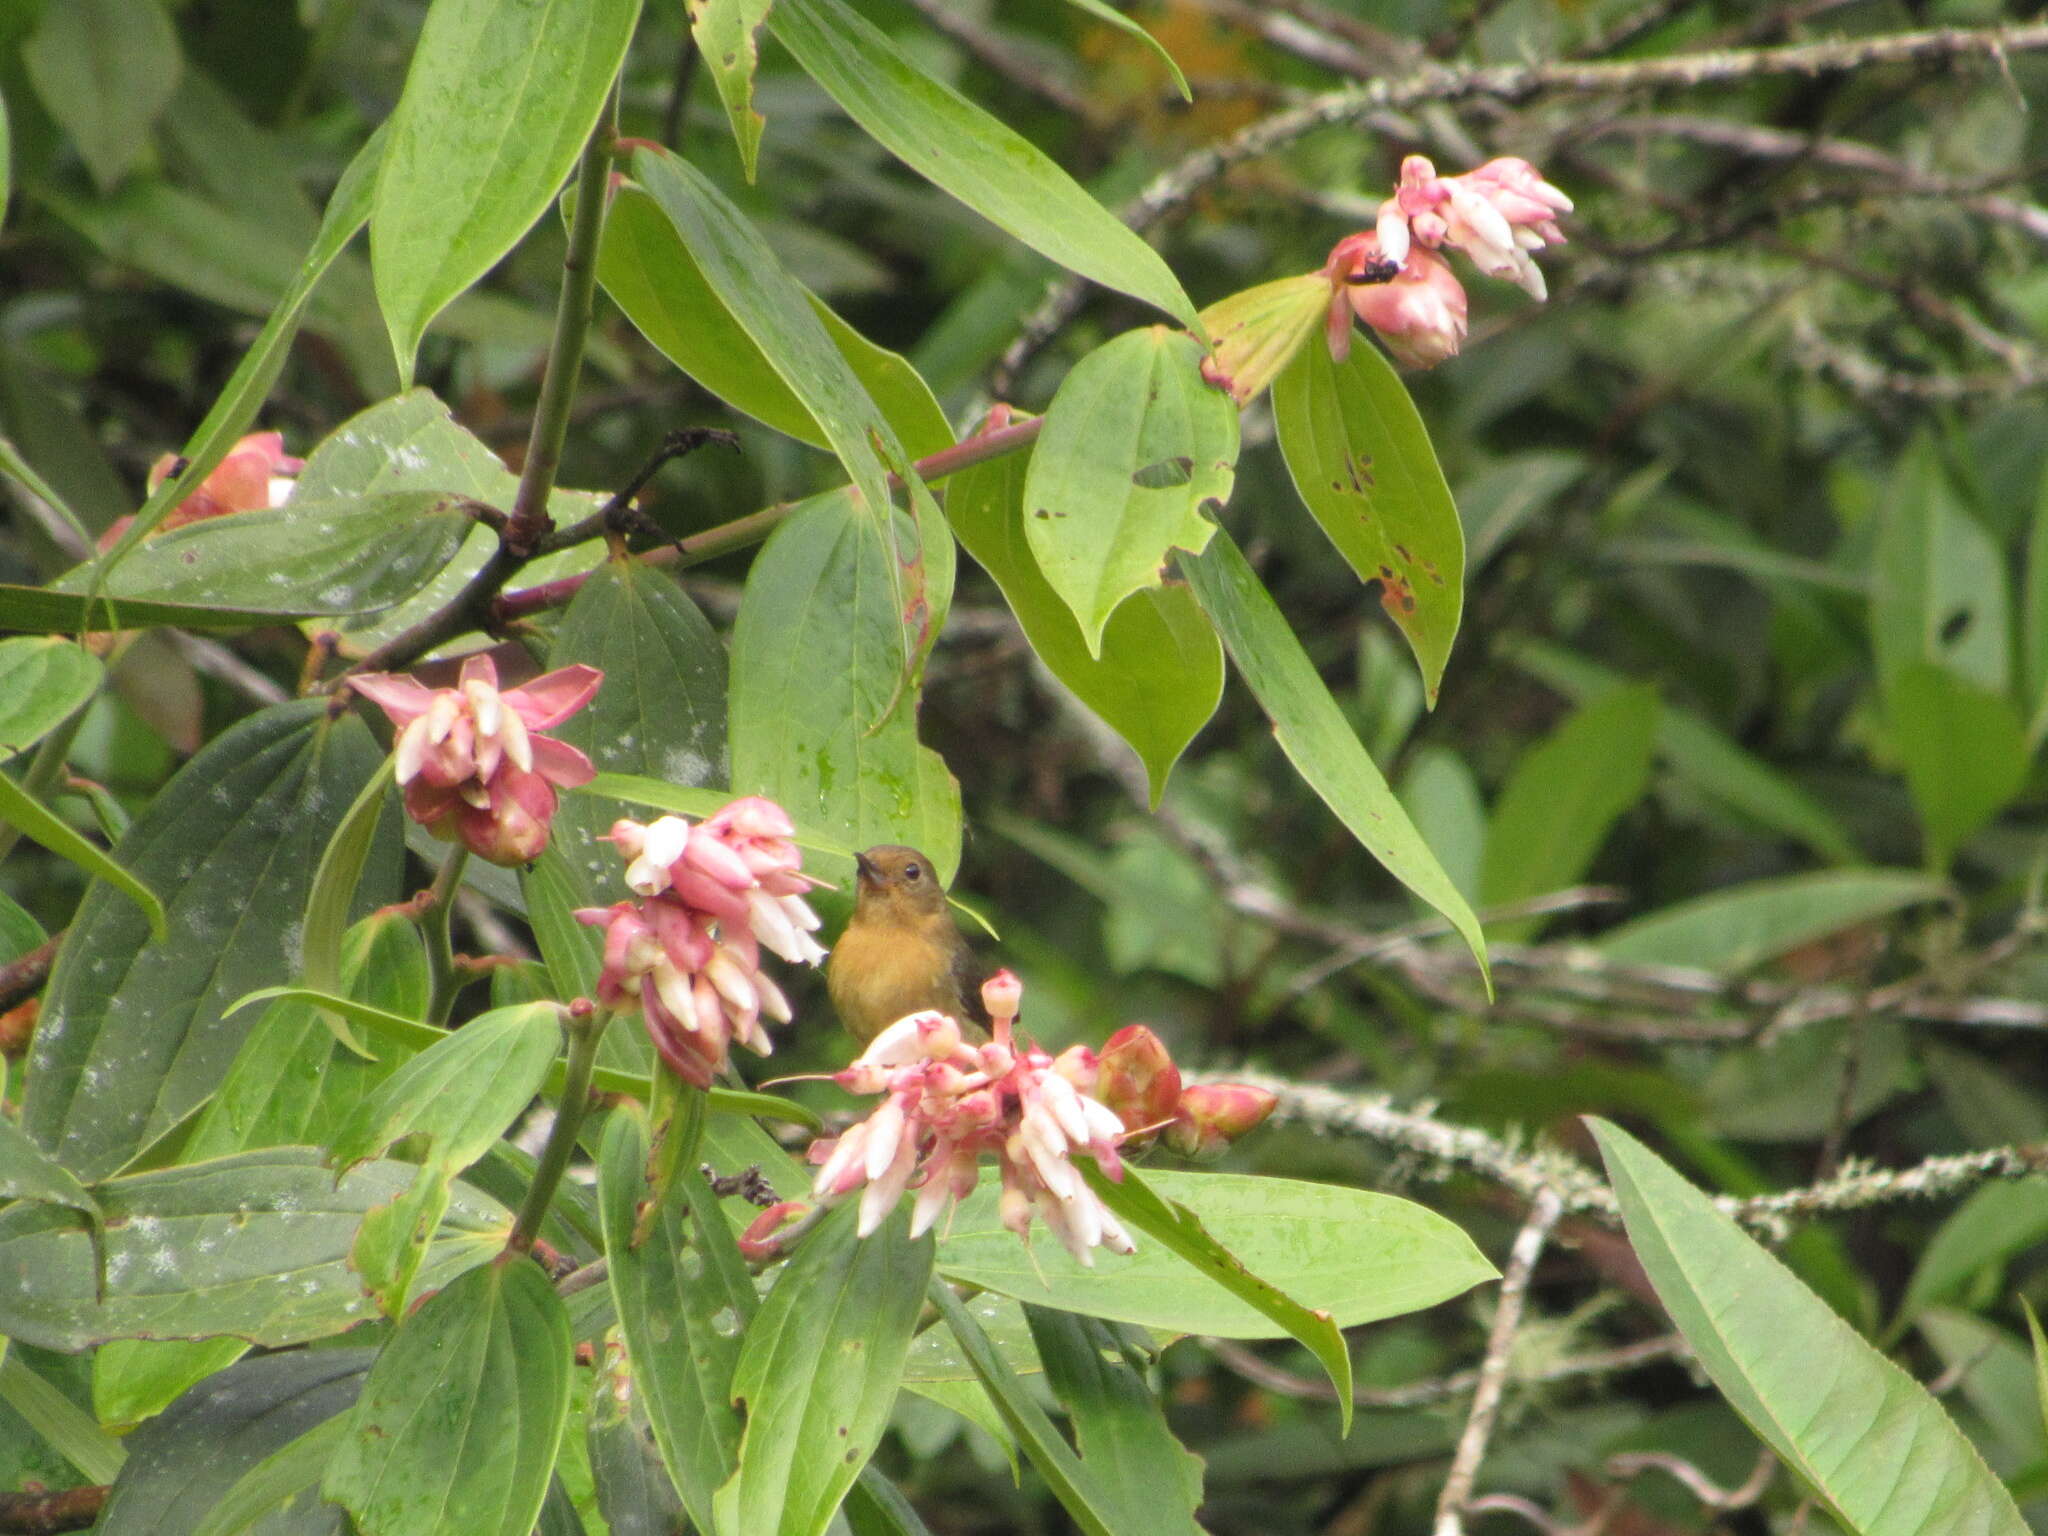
1362 461
1861 1433
632 1487
1745 925
819 1366
1312 730
134 1035
1356 1255
255 1245
461 1415
1175 1227
241 1418
43 679
1564 796
820 723
660 713
37 822
1119 1427
59 1422
963 150
1160 673
1111 17
1138 452
497 105
727 37
1257 332
652 275
1995 1224
1965 752
104 69
683 1298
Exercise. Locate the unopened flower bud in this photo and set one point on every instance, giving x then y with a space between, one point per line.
757 1244
1213 1115
1002 995
1137 1078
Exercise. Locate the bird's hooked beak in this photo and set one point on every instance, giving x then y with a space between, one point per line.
868 872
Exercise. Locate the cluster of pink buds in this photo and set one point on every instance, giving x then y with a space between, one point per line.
471 759
256 473
687 954
1392 277
949 1101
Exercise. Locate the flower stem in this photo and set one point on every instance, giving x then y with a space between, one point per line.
434 920
584 1034
530 523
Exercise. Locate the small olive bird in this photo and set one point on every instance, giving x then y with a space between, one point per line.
900 952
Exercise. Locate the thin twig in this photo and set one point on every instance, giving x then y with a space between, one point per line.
1702 1487
1421 1394
23 976
1493 1369
1001 57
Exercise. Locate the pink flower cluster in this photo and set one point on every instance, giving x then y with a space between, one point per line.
256 473
471 759
1498 215
687 954
949 1101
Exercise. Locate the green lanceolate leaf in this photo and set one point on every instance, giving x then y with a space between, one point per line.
460 1418
683 1298
660 713
727 34
958 147
1743 926
1938 588
497 105
35 821
67 1428
819 1366
461 1092
1109 16
43 680
1356 1255
633 1489
1312 730
1965 752
1119 1426
819 720
242 1417
255 1245
1075 1485
136 1379
104 69
1565 795
134 1033
1865 1436
237 404
1159 676
285 1485
775 312
1180 1230
1362 461
306 557
1138 452
650 273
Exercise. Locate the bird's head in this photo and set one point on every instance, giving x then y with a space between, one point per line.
899 882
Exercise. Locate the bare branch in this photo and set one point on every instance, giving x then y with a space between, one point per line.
1493 1369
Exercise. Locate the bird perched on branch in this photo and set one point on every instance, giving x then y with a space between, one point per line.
901 951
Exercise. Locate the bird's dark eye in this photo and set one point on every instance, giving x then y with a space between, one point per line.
913 872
